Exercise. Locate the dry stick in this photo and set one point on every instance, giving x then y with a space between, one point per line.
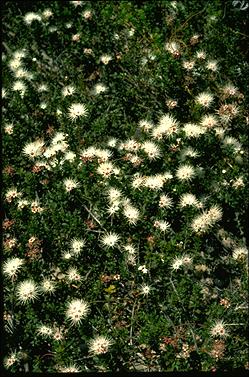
88 210
132 317
192 333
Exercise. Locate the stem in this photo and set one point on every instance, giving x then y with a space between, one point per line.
132 319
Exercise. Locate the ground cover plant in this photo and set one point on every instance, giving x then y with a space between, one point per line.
125 186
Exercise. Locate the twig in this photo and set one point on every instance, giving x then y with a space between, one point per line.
132 317
90 213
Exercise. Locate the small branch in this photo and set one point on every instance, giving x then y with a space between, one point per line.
90 213
132 318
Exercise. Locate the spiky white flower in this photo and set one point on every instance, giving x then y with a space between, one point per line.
105 169
151 149
68 90
105 59
77 310
72 368
143 268
145 289
240 253
77 110
99 345
188 200
19 86
219 329
47 13
209 121
70 184
172 47
131 213
212 65
145 125
114 194
154 182
168 126
162 225
77 245
12 266
73 274
99 88
205 99
165 201
48 286
30 17
27 291
44 330
110 239
201 55
185 172
193 130
176 263
10 360
11 194
34 149
138 181
214 213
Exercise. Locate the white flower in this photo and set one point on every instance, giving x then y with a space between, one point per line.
73 274
188 200
154 182
201 55
138 181
240 253
10 360
69 369
48 286
185 172
87 14
22 203
177 263
77 245
188 65
12 266
167 126
9 129
173 47
68 90
205 99
162 225
105 169
214 214
77 310
143 269
99 88
165 201
112 142
27 291
110 239
44 330
77 110
212 65
30 17
114 194
131 213
19 86
99 345
34 149
208 121
145 289
130 249
151 149
145 125
47 13
12 194
219 329
70 184
105 59
193 130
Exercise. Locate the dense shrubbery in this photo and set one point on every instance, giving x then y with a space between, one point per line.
125 148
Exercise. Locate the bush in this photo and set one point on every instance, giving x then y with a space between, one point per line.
125 179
